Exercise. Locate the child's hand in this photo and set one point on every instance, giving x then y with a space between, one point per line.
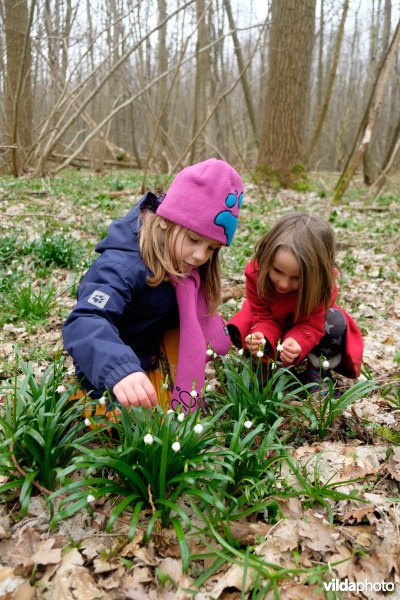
254 341
136 389
291 350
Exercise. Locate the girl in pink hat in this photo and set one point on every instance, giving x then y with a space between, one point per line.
146 308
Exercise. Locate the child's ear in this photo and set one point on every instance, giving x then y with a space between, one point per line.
163 224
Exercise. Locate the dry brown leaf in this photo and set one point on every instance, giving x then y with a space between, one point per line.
317 534
356 515
46 554
247 533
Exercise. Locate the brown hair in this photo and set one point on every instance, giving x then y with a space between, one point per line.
156 247
311 241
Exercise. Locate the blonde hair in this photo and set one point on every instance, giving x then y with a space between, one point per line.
156 244
311 241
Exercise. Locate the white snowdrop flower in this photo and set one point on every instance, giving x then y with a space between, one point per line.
90 498
148 439
198 428
279 347
248 424
325 364
209 352
164 386
260 354
170 411
193 393
209 387
241 352
362 378
176 446
273 366
61 389
102 401
263 341
87 422
215 355
181 417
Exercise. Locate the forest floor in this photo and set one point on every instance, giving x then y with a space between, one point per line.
362 546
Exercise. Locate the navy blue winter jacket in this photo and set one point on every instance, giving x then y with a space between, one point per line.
119 320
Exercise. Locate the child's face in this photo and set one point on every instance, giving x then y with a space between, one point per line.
284 272
191 250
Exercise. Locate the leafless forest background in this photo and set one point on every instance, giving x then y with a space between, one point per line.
283 85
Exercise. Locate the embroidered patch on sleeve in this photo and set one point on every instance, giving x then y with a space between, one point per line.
99 299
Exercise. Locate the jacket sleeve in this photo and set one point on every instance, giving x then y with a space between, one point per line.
263 317
308 332
91 333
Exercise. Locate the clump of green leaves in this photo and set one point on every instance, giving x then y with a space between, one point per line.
25 301
38 428
254 386
57 250
157 458
321 409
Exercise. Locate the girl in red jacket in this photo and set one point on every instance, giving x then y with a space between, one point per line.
290 301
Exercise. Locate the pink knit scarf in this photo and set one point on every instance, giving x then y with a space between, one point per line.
198 331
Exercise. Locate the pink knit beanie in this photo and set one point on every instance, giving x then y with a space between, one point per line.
205 198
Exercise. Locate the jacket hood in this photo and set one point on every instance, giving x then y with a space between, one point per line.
123 233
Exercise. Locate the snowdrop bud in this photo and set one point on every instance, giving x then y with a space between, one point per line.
148 439
279 347
102 401
248 424
193 393
208 387
260 354
263 341
90 498
170 411
209 352
87 422
273 366
240 352
181 417
164 386
198 428
176 446
215 355
61 389
325 364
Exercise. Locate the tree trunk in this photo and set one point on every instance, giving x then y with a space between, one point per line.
376 103
18 22
240 61
331 81
288 84
370 158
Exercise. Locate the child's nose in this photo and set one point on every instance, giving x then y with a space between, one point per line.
200 253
